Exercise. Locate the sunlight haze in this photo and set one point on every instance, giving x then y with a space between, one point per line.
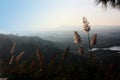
44 15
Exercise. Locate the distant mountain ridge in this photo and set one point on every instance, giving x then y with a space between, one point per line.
48 49
26 44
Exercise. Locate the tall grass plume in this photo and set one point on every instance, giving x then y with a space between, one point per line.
93 40
11 59
52 61
65 53
40 57
13 48
77 38
17 59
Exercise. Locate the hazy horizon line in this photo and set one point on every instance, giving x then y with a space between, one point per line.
60 28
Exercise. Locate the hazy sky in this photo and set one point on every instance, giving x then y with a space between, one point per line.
37 15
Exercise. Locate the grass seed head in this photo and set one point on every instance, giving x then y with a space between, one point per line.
52 61
86 24
65 53
17 59
81 50
77 38
11 60
13 48
93 40
40 57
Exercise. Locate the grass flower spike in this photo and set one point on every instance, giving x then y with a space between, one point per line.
11 60
13 48
19 57
65 53
40 57
86 25
52 61
93 40
77 38
81 51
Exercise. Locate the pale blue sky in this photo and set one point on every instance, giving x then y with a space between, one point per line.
37 15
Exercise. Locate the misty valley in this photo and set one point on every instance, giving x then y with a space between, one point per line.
55 55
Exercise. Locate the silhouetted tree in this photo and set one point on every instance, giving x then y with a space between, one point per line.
112 3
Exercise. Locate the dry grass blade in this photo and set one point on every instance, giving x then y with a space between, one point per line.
81 50
77 38
13 48
65 53
11 60
17 59
40 58
93 40
52 61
